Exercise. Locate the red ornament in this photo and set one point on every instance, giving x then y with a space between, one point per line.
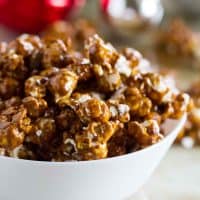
34 15
104 5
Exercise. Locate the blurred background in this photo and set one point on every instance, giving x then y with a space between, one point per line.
167 32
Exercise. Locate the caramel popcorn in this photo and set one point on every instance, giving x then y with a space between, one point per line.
14 123
55 54
119 111
42 131
35 107
60 103
35 86
118 144
139 105
62 84
93 110
12 65
22 152
92 142
179 40
9 87
145 133
190 135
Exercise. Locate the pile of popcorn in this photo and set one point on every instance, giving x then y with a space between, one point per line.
68 95
190 135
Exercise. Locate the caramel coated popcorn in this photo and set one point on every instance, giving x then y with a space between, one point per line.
179 40
58 103
190 135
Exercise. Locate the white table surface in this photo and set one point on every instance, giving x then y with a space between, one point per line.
177 177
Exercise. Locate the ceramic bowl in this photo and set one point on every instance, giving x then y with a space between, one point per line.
107 179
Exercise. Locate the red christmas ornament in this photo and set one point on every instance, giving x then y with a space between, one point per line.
104 5
34 15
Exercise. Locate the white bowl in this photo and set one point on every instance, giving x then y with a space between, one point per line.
108 179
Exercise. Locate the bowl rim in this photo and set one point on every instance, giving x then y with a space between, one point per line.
180 123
